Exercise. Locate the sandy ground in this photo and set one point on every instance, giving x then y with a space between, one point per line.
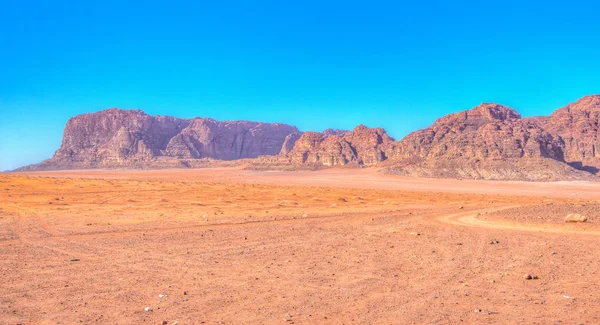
229 246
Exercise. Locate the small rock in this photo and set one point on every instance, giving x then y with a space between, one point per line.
477 310
161 295
575 217
148 309
461 207
530 277
415 234
494 242
185 293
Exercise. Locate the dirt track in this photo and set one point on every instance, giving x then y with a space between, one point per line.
338 246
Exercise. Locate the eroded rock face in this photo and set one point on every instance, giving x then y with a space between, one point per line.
117 137
578 124
289 142
488 131
490 141
362 147
316 148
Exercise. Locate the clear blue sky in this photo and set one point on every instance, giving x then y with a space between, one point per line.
315 64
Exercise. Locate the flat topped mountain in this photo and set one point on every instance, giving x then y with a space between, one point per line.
124 138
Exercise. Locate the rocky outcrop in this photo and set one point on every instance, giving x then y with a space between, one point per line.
289 142
124 138
207 138
490 141
578 124
362 147
488 131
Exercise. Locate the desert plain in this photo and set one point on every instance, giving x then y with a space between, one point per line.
338 246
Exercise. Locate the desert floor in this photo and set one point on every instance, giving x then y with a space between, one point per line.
230 246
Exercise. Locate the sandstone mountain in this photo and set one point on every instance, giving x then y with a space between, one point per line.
578 124
132 138
489 141
361 147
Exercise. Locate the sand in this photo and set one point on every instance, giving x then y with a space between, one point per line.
341 246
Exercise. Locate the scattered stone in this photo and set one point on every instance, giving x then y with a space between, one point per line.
575 217
165 322
530 276
415 234
477 310
494 242
185 293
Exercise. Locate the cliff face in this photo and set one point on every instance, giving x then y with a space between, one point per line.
578 124
489 141
488 131
117 137
361 147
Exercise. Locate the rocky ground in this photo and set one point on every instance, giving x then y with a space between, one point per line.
330 247
550 213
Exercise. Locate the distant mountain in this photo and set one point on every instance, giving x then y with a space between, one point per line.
131 138
490 141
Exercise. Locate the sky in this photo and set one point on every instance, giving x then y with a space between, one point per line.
314 64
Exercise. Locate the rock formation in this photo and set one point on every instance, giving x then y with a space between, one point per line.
490 141
362 147
488 131
578 124
127 138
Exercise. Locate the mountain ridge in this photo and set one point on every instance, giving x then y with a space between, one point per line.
489 141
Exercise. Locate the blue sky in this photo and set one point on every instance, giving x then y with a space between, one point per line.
315 64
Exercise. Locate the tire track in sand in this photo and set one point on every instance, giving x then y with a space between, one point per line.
470 219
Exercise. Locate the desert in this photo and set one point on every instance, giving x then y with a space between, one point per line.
335 246
299 162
